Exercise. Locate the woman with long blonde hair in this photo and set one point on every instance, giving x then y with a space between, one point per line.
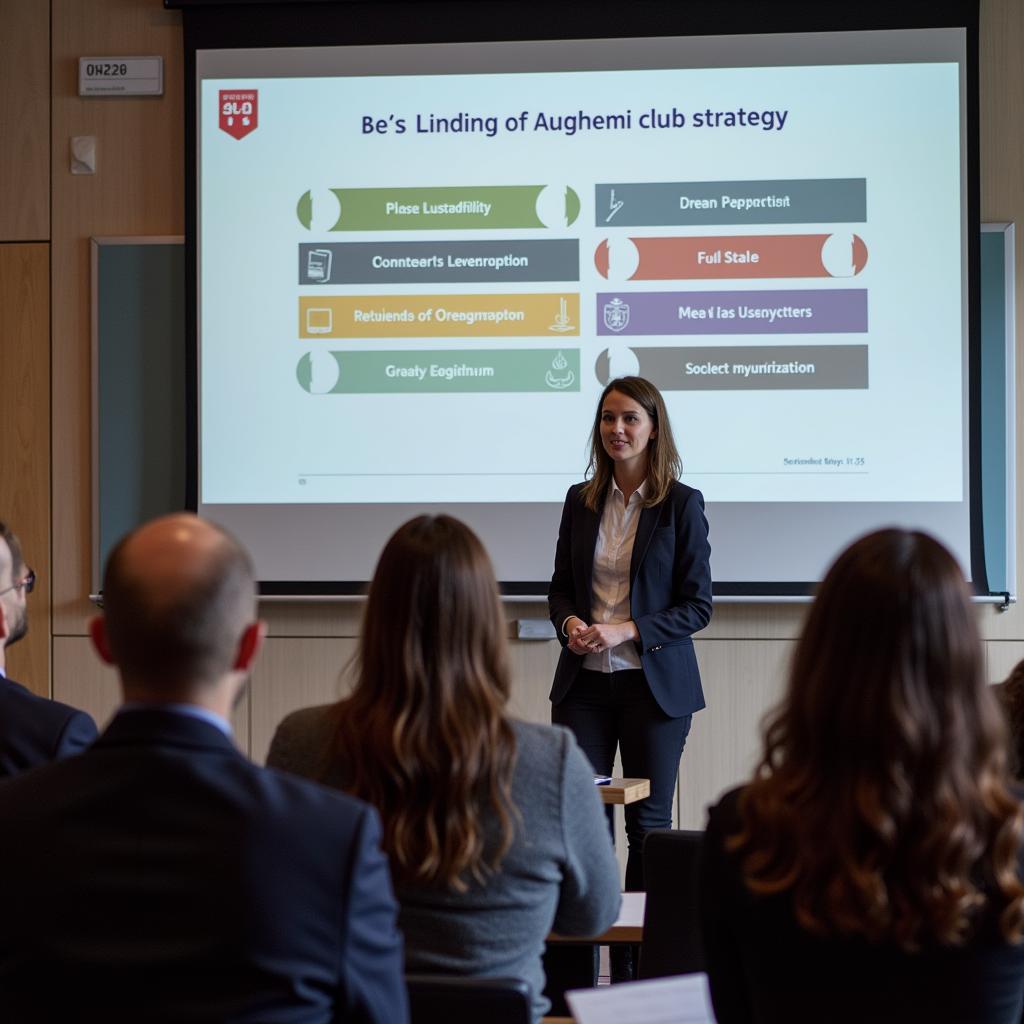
870 870
492 826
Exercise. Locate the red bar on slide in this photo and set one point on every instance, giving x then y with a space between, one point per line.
740 256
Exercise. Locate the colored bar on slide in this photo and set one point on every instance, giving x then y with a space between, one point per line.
439 262
805 311
777 201
451 207
751 367
440 371
439 316
736 256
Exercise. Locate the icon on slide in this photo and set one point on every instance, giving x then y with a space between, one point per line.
844 254
318 209
319 320
616 361
563 322
616 315
318 265
239 111
557 206
614 205
559 376
318 372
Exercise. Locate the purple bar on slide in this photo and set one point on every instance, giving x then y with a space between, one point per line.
805 311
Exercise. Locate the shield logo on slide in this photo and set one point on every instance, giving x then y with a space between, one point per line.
239 111
616 315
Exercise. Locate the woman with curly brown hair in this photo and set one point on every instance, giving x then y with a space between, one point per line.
492 826
871 868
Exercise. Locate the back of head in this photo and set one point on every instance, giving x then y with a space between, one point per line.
882 797
424 736
177 595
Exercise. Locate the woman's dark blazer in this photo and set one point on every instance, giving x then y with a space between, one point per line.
669 592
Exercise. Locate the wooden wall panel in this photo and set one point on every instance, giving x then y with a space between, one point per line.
24 120
82 680
138 189
25 437
742 679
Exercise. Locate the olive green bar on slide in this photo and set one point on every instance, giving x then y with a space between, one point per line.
440 371
447 207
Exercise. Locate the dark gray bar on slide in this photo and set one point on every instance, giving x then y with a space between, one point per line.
752 367
550 259
671 203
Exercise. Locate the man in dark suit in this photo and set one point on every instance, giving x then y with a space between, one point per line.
33 730
162 876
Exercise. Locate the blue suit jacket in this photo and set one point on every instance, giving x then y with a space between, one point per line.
35 731
162 876
669 593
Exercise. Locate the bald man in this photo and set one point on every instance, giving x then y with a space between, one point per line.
161 876
33 730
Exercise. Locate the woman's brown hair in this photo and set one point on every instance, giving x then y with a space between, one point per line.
663 462
882 802
424 736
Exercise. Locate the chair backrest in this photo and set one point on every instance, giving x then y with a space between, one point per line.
442 999
672 937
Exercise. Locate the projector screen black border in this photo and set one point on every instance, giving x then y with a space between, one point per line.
237 24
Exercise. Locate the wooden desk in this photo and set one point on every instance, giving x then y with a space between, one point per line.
624 791
628 926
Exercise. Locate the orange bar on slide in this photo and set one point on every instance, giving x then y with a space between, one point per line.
440 316
737 256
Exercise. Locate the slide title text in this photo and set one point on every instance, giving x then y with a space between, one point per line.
572 123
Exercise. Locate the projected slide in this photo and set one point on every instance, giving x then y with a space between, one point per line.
414 287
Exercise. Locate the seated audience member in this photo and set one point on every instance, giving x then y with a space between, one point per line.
493 827
160 875
1011 697
870 869
33 730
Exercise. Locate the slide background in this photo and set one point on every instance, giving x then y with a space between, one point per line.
549 437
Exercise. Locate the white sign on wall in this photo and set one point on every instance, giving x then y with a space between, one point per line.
120 76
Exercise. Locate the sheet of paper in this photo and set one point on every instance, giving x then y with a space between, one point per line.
680 1000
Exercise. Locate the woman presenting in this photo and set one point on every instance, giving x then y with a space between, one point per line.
632 584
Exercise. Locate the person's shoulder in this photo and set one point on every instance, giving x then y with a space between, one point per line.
539 742
724 816
679 494
308 723
302 740
573 495
19 700
293 797
549 752
14 694
31 794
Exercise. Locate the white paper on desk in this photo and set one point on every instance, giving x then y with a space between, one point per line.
684 999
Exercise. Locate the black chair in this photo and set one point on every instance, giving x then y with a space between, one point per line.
673 943
444 999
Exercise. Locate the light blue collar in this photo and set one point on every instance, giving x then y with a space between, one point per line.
191 710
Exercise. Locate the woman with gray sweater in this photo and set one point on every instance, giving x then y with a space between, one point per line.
493 827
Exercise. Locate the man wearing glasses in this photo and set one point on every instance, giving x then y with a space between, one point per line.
33 730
